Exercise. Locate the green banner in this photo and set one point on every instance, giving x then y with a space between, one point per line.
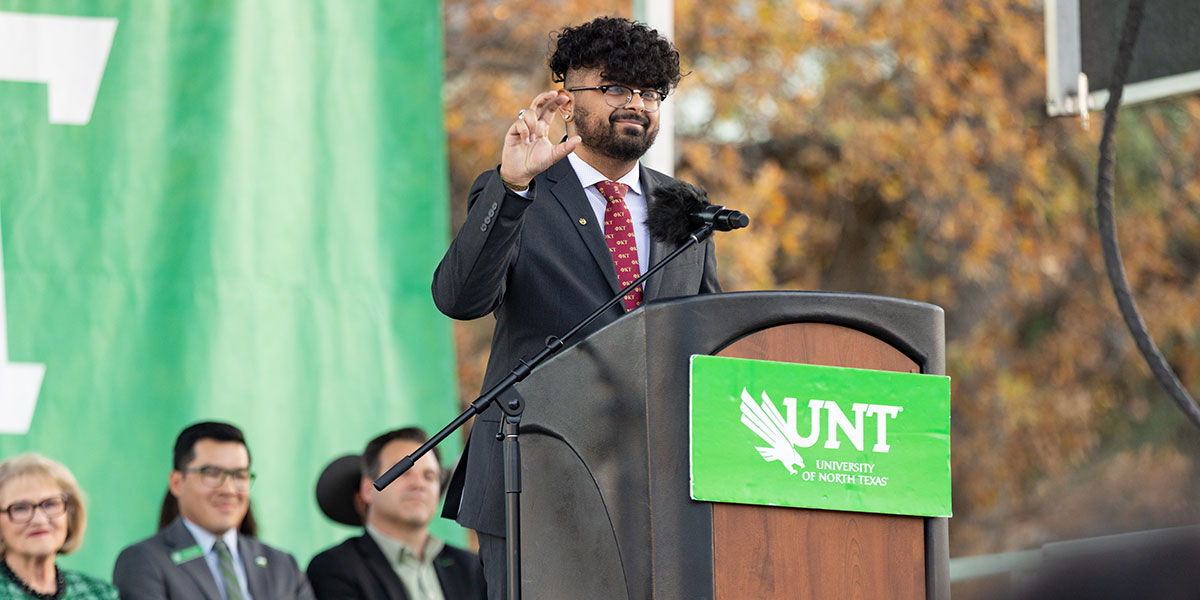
219 209
786 434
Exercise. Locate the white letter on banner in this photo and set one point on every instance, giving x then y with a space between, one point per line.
68 54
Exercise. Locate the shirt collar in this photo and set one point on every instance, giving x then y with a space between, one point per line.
589 176
205 539
394 550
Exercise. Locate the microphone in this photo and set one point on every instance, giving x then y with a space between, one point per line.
679 207
722 219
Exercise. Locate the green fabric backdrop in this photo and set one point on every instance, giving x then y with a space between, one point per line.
245 230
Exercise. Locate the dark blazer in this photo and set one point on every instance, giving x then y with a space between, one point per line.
356 569
539 265
146 570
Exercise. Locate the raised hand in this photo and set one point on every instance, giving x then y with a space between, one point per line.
527 146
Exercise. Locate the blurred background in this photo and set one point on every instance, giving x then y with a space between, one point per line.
247 226
902 148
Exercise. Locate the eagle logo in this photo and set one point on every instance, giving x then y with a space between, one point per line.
765 421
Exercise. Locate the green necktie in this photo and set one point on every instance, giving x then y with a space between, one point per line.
233 589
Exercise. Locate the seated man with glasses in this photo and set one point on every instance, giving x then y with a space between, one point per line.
557 229
205 548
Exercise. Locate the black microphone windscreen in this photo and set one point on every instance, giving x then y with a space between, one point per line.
668 216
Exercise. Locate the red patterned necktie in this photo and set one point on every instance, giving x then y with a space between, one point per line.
618 233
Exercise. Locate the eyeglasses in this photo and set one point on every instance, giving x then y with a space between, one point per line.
22 512
619 96
214 477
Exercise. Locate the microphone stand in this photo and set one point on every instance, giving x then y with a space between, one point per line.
513 405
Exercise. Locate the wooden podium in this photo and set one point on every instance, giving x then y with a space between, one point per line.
605 506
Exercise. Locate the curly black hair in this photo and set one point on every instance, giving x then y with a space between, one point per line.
626 52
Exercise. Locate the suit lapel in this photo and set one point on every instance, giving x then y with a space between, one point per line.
378 564
257 570
565 188
658 250
177 537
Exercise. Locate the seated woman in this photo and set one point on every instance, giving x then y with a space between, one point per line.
42 516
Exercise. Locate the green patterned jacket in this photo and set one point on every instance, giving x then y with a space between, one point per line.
78 587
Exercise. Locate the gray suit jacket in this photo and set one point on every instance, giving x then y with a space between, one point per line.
147 570
539 265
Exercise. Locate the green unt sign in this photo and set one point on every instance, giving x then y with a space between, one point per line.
787 434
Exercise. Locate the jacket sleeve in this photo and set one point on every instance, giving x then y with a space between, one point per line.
137 575
302 589
470 280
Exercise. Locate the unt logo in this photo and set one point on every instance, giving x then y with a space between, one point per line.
783 437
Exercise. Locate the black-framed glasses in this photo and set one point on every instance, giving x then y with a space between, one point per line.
214 476
22 512
619 96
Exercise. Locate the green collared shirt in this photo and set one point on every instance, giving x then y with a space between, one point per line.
416 574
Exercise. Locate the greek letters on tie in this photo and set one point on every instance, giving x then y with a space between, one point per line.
618 234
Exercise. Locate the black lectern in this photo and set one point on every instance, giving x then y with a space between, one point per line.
605 505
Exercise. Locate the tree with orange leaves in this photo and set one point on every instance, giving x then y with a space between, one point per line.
901 148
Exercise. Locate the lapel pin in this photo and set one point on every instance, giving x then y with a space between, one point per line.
260 561
582 221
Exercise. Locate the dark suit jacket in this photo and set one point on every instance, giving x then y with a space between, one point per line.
540 265
146 570
356 569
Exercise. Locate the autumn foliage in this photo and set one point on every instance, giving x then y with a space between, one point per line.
902 148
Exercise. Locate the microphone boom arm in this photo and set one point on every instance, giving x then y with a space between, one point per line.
526 365
513 406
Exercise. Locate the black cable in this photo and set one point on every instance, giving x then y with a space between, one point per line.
1108 237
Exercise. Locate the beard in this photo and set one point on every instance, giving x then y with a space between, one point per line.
612 140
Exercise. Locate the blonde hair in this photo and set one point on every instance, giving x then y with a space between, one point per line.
32 464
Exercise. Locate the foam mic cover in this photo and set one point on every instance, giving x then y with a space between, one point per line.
669 215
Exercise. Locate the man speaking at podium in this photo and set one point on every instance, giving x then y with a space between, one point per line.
556 230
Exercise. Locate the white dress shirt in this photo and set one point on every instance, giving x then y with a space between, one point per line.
635 202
